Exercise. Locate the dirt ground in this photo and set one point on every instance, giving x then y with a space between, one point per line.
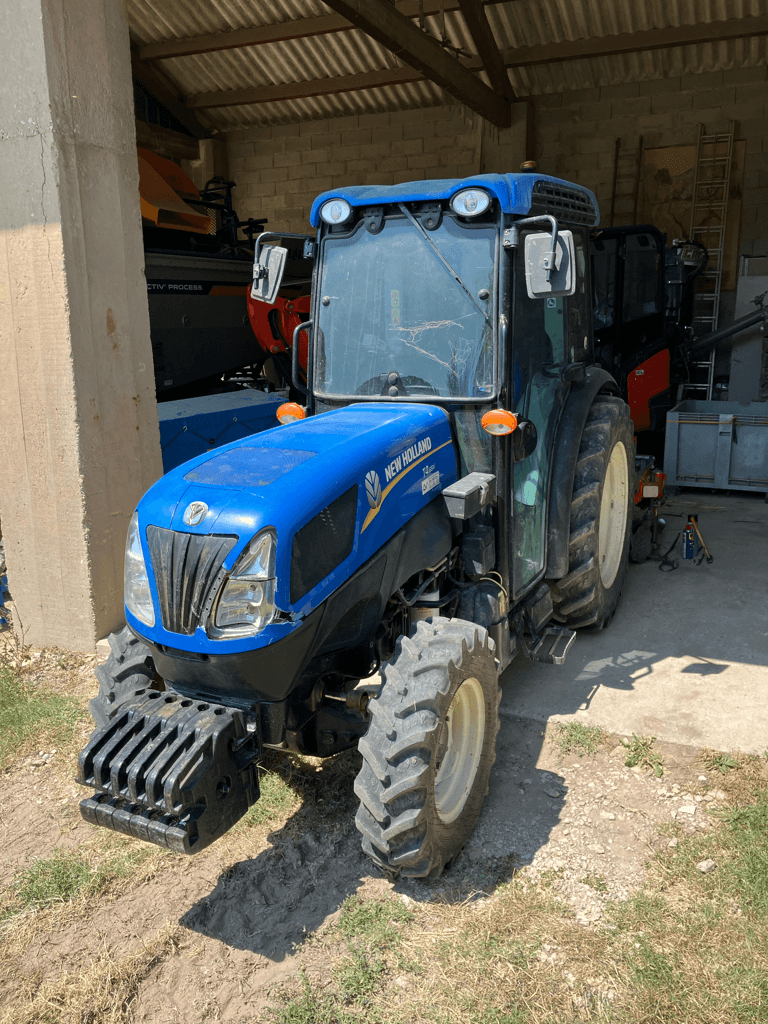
230 923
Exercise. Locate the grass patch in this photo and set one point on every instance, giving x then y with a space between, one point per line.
372 922
579 739
372 929
688 947
640 753
29 712
596 882
276 801
312 1007
70 875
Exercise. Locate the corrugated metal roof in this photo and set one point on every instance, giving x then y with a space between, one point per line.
516 23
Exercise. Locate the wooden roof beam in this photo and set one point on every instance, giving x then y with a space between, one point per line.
294 29
523 56
384 23
635 42
488 51
159 88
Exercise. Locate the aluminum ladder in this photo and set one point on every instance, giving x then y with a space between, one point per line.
709 214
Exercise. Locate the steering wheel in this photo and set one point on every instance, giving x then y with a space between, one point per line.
379 385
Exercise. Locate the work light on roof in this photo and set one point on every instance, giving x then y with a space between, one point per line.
470 202
336 211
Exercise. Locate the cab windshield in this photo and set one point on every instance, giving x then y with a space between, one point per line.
391 312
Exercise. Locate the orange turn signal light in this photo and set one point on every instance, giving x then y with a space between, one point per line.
290 412
499 421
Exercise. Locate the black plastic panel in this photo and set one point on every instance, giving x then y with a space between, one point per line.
323 544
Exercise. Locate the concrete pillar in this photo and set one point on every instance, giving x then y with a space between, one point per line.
80 438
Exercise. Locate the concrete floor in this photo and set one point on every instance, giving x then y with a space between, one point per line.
685 658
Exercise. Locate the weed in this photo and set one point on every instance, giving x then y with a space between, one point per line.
722 763
577 738
596 882
640 752
29 712
362 973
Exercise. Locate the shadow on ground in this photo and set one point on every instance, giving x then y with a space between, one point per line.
269 904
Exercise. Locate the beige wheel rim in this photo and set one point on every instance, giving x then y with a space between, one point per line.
465 727
613 515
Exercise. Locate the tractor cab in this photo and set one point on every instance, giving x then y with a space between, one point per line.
438 293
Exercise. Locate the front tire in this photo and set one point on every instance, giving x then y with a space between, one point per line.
128 668
601 517
429 749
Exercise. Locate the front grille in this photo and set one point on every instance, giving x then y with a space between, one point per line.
569 204
188 573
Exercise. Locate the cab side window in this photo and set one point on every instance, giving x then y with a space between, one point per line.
579 304
554 325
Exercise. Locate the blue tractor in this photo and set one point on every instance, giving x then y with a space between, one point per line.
455 489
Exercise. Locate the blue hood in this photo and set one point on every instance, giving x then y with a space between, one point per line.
399 457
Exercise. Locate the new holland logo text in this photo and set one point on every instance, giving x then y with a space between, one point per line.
373 488
194 513
406 457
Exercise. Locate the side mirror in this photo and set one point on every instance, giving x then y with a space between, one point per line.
543 280
524 440
268 270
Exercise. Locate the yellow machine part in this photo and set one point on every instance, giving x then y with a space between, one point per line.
163 186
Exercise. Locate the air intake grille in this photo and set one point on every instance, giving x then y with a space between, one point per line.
188 572
323 544
568 204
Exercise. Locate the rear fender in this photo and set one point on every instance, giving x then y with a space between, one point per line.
566 453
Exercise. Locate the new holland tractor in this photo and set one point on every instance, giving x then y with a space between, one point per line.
455 490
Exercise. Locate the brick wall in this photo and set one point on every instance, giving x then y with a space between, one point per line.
576 133
279 171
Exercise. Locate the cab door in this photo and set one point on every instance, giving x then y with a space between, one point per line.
549 335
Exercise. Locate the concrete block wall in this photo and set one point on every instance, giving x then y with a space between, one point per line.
576 134
280 170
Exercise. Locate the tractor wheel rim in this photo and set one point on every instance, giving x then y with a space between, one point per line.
465 724
613 515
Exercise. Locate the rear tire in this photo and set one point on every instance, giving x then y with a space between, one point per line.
429 749
601 517
128 668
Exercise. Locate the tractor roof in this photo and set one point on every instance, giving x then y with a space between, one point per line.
521 194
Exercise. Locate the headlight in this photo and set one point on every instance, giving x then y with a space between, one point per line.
138 598
247 600
336 211
470 202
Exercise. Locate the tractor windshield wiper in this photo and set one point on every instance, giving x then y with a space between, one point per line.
443 260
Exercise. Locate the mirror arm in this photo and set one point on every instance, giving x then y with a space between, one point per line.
512 238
